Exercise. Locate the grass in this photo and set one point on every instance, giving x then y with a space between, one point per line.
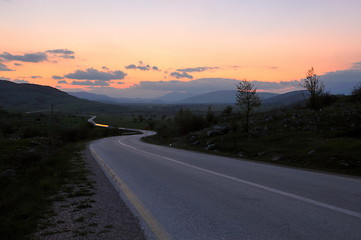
39 158
294 137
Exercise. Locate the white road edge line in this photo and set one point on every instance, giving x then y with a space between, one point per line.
159 232
291 195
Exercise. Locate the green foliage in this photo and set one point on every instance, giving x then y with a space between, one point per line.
315 87
327 140
210 116
356 93
227 111
247 99
35 162
187 121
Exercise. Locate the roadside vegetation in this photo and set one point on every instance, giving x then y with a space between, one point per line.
321 133
39 158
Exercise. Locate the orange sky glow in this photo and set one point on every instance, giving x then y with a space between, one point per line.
269 41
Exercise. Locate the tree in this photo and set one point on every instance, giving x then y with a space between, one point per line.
187 121
247 99
227 111
356 93
210 117
315 87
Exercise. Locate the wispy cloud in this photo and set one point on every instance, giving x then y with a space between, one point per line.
356 65
93 74
29 57
20 81
178 75
63 53
38 56
4 68
62 82
142 66
196 69
342 81
90 83
57 77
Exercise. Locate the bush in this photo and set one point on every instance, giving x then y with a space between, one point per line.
187 121
356 93
326 99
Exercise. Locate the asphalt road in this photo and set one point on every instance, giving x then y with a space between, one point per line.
181 194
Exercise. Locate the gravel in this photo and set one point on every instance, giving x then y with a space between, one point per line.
100 213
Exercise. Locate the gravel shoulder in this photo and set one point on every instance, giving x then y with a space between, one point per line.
91 209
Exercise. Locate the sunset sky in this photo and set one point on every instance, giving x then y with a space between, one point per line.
148 46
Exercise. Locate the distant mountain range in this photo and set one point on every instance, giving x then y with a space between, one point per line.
226 96
32 97
216 97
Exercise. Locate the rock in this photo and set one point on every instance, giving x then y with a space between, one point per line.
8 173
211 146
260 153
218 130
196 143
278 157
312 151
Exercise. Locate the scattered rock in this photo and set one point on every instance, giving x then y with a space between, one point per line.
278 157
196 143
211 146
8 173
218 130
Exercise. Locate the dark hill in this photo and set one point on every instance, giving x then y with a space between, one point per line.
288 98
224 96
32 97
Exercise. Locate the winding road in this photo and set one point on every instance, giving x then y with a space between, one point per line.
180 194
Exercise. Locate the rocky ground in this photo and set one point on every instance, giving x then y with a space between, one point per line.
90 209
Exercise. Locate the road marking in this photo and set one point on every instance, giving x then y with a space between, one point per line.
291 195
153 224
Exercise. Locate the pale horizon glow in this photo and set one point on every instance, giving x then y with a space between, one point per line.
88 44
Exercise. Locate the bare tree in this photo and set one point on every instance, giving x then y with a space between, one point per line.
247 99
313 84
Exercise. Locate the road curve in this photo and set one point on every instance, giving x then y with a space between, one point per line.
181 194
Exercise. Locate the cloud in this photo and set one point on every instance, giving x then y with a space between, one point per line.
90 83
178 75
196 69
67 56
38 56
151 89
93 74
3 67
272 67
63 53
356 65
202 85
29 57
20 81
277 86
142 67
343 81
17 64
62 82
36 77
58 77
